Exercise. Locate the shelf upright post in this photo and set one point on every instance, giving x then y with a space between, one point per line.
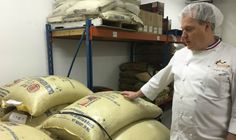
166 56
49 49
89 55
132 52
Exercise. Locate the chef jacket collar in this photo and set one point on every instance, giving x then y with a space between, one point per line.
218 40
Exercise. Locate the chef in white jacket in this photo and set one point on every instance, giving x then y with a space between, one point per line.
204 75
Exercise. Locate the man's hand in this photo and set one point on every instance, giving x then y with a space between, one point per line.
231 136
131 95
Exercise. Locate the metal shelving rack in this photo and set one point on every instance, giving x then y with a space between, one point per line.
98 33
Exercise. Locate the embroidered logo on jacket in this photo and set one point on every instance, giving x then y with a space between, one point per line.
222 64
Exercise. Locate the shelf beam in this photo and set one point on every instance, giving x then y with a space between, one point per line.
67 33
113 34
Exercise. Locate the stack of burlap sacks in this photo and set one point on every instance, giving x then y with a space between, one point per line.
26 103
133 75
59 108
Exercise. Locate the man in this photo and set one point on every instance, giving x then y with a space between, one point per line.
204 75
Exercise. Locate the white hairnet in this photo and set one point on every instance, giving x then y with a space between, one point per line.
204 12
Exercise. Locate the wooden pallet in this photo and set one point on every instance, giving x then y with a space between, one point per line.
119 24
97 22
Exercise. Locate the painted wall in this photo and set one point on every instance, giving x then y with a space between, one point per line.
229 25
22 45
107 56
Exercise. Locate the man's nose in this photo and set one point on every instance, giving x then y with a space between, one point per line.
184 35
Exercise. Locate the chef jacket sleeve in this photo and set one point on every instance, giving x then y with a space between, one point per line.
232 125
158 82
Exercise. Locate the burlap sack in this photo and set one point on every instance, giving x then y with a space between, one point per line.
35 95
143 76
110 109
13 131
3 93
25 118
135 66
143 130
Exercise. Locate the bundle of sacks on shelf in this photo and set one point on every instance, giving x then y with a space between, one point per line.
115 10
133 75
59 108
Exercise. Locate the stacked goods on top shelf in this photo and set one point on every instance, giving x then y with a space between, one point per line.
152 14
166 25
152 22
125 11
155 7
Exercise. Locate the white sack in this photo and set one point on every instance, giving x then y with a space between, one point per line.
125 17
91 7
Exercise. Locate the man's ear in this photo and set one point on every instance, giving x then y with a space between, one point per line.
208 26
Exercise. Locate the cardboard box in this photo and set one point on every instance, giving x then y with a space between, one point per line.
155 7
152 22
166 25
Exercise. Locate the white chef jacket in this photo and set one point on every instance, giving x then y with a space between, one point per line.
204 102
